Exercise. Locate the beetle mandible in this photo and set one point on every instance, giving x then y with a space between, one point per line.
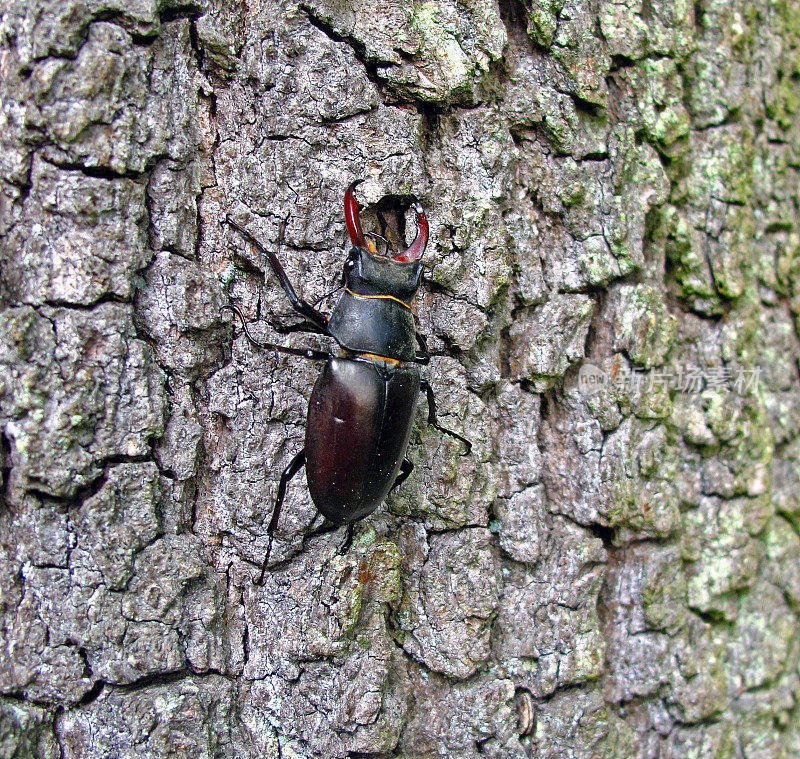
362 407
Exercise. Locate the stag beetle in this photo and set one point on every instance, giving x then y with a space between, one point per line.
362 406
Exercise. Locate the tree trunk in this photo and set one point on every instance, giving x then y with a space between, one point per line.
612 298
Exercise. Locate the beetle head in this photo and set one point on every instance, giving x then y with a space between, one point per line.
368 274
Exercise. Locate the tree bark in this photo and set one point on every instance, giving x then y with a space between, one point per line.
612 298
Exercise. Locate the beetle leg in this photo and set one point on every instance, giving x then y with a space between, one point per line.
323 529
294 467
425 386
310 353
423 357
348 540
302 307
406 467
303 326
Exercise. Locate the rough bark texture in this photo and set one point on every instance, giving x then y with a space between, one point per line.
613 193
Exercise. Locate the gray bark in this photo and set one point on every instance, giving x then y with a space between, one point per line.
613 195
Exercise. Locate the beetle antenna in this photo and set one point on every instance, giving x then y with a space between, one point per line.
309 353
327 295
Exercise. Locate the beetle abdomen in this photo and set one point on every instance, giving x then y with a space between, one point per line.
359 421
